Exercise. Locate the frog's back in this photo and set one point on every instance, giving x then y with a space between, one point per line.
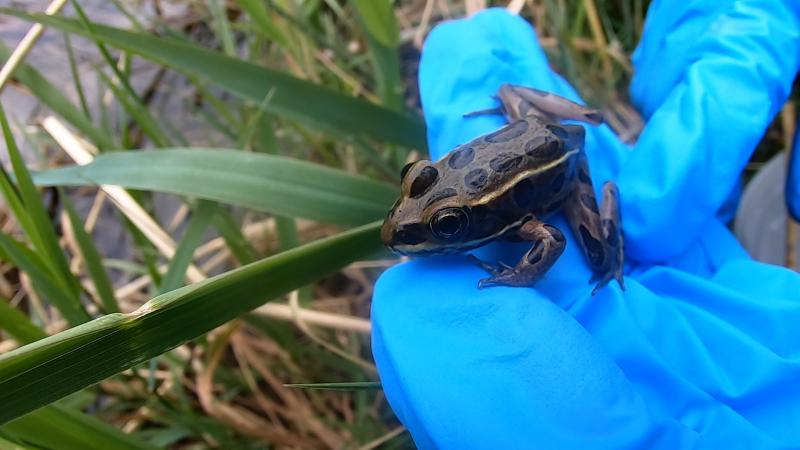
524 166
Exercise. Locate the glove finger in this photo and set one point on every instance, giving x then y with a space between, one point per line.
500 368
710 78
463 65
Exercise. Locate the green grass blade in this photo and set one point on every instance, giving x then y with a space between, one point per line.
47 370
5 444
58 427
54 98
43 282
223 27
292 98
40 232
378 17
264 24
18 325
276 184
184 252
234 238
76 76
94 263
139 112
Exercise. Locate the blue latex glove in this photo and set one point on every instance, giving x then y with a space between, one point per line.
793 180
702 349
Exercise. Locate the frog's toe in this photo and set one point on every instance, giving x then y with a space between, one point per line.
504 278
491 268
605 278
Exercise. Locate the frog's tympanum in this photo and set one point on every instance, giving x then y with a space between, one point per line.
506 184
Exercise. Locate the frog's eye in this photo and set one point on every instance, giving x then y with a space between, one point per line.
449 223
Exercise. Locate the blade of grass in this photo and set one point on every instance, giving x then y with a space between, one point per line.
5 444
25 46
58 427
41 232
138 112
264 24
294 98
184 252
90 255
236 241
88 27
286 228
223 27
49 369
280 185
18 325
44 282
76 77
132 210
377 18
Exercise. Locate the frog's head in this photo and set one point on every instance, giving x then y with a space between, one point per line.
429 217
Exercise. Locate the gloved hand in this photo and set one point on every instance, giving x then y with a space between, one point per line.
701 350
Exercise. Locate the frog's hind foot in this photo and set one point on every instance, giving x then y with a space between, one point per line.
610 223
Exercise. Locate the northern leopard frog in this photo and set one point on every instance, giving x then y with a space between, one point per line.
505 184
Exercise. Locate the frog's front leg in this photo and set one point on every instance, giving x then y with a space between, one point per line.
598 230
548 244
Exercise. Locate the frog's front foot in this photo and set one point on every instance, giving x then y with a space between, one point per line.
493 269
548 244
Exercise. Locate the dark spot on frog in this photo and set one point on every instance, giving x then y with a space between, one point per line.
484 222
558 183
505 162
576 133
442 194
461 157
553 207
589 202
534 258
476 179
583 176
610 230
539 92
536 253
543 147
524 193
557 235
558 131
508 132
427 177
410 234
594 249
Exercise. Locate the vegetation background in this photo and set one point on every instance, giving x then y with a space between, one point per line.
192 194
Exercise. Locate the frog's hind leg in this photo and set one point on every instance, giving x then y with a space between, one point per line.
611 221
598 230
546 104
548 244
